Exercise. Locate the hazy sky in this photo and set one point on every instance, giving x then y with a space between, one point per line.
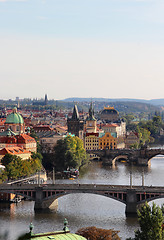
82 48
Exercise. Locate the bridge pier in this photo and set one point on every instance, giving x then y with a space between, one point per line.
131 203
107 161
41 203
143 161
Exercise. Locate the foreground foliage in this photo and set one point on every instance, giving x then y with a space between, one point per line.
151 223
15 167
93 233
69 153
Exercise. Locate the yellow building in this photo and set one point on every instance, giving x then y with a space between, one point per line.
91 141
107 141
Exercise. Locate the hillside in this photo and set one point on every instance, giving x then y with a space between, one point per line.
156 102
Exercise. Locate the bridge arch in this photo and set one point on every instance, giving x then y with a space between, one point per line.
120 157
153 156
121 197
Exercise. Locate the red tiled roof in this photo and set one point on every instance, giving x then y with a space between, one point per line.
5 139
24 138
13 151
110 125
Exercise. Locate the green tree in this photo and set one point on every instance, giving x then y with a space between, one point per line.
69 152
150 221
15 167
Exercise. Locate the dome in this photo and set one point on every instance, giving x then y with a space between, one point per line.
109 110
14 118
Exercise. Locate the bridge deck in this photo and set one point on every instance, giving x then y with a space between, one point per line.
97 187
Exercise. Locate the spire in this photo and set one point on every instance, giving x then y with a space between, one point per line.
75 114
91 111
46 99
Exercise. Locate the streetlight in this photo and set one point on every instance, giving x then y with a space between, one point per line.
53 176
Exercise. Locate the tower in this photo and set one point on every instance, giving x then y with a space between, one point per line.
46 100
75 125
91 121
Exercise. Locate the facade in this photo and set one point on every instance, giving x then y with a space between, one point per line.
131 138
91 141
14 140
15 122
109 114
23 141
118 128
48 141
75 125
107 141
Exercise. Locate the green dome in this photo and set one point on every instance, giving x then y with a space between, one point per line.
14 118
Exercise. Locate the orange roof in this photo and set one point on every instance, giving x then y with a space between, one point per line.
13 151
25 138
110 125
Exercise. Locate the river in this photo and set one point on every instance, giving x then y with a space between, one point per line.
82 210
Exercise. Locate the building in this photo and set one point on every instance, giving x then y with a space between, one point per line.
118 128
107 141
58 235
15 122
75 124
49 140
14 140
18 151
91 141
109 114
10 139
46 100
131 138
90 123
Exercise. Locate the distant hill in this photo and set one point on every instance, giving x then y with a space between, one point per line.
156 102
122 105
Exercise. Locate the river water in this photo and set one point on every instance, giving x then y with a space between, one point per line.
82 210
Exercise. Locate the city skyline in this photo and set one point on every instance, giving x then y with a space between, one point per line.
89 48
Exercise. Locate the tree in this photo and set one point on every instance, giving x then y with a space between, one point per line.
15 167
69 152
151 221
93 233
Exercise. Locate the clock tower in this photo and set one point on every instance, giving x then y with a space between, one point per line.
91 121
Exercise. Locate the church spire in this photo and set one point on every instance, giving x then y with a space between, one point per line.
75 114
91 112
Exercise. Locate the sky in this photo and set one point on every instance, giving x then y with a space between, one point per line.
82 48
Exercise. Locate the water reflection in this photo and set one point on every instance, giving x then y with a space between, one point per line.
83 210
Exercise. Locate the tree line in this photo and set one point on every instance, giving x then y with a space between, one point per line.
16 168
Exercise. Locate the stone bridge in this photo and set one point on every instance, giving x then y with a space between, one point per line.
138 156
46 196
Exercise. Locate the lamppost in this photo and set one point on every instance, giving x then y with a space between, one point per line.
53 176
39 178
131 175
142 177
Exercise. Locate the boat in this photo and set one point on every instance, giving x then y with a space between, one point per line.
71 178
16 200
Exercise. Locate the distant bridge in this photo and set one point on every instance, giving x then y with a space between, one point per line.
46 196
138 156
